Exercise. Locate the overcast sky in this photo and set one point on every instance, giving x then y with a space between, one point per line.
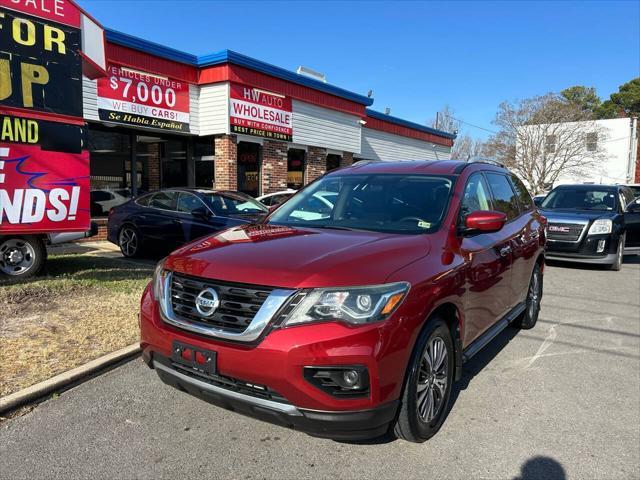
415 56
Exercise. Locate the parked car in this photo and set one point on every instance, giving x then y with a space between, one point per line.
276 198
596 224
103 200
169 218
538 199
358 321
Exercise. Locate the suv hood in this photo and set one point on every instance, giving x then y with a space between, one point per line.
296 258
558 214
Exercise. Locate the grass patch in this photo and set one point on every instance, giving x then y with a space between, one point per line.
83 307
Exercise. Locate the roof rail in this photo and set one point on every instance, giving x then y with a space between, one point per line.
459 169
364 162
486 160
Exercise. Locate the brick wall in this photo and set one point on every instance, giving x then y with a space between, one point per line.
274 166
316 164
347 159
226 166
153 166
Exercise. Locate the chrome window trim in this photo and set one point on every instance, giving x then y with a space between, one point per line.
276 299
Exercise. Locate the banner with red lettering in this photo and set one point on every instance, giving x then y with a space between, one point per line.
43 191
138 98
260 113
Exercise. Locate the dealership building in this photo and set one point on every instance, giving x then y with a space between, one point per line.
227 121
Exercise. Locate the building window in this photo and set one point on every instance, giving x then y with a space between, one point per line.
203 154
550 144
174 163
333 162
592 141
249 168
295 168
109 152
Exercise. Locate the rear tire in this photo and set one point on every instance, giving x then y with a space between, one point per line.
22 257
529 317
130 241
430 375
617 265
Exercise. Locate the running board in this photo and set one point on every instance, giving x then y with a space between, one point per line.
482 341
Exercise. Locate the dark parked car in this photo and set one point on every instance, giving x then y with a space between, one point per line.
349 317
169 218
592 224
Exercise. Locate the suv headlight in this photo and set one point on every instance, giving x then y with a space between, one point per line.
159 276
354 305
601 226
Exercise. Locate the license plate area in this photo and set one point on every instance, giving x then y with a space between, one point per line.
195 358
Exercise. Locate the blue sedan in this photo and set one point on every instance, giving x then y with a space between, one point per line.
169 218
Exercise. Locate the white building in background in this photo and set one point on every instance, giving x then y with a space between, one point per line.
616 141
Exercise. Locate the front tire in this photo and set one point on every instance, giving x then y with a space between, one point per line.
529 317
425 398
22 257
130 241
617 265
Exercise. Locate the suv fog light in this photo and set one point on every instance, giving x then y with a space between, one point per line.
351 378
601 244
347 381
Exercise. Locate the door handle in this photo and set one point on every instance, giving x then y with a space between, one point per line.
177 221
504 251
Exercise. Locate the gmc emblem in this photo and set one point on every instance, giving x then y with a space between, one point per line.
555 228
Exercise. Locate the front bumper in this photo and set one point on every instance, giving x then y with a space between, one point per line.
351 425
585 251
277 362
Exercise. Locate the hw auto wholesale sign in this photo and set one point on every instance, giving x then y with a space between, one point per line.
259 113
44 171
139 98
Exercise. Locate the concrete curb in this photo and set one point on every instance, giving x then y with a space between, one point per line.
60 382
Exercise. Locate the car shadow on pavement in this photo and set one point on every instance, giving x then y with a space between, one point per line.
541 468
470 370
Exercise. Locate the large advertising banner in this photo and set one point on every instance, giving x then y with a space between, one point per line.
44 177
143 99
40 67
259 113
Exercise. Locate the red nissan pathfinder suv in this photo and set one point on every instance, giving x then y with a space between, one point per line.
351 309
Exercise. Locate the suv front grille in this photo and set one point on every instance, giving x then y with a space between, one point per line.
568 232
239 303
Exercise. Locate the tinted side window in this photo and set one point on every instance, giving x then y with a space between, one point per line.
163 200
524 198
476 195
187 203
504 198
144 201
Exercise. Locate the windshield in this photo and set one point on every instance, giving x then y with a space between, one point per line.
581 199
233 204
408 204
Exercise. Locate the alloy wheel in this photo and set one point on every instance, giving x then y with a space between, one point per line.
533 296
432 380
128 242
16 257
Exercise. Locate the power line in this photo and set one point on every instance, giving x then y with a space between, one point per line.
470 124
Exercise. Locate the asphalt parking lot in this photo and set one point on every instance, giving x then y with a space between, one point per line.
559 401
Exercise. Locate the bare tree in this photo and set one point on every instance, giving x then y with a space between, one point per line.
466 147
543 137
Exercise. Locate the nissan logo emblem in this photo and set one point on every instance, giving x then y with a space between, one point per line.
207 302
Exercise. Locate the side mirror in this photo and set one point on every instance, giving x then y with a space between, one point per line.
484 221
633 207
201 213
